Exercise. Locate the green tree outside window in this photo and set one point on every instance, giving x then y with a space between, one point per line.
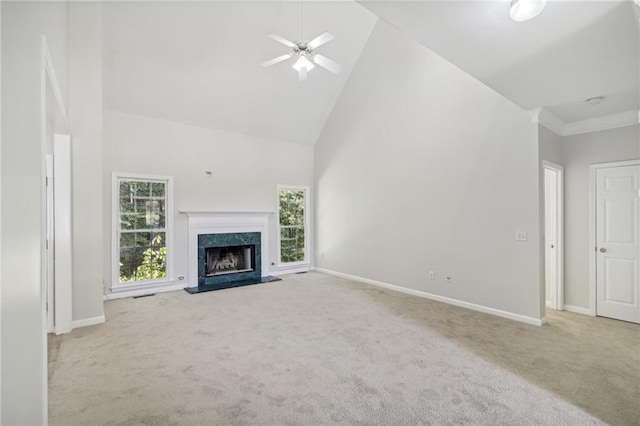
292 226
142 234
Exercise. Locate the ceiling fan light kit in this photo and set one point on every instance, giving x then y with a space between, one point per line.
524 10
303 66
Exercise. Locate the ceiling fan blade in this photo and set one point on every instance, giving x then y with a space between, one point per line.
323 38
327 63
282 40
276 60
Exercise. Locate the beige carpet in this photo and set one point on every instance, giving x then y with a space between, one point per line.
315 349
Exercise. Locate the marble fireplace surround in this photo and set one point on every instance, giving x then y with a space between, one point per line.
225 222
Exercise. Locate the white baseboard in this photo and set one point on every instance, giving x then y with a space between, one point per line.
144 291
577 310
290 271
88 321
443 299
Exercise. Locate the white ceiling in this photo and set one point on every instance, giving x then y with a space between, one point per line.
573 51
199 63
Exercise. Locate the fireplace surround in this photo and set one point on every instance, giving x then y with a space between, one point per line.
232 234
229 257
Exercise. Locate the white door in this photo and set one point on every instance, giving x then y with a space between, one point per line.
617 248
553 206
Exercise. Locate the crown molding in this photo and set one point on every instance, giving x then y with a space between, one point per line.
553 123
534 114
627 118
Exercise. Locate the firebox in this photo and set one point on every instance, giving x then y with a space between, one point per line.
229 260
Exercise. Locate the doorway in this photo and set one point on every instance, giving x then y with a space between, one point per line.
56 199
553 235
615 220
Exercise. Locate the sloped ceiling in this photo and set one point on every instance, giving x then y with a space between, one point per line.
572 51
199 63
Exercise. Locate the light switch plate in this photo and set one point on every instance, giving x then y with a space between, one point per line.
521 235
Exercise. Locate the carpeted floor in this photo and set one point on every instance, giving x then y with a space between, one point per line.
316 349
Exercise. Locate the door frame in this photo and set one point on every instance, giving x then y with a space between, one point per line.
557 296
48 79
62 233
593 168
50 238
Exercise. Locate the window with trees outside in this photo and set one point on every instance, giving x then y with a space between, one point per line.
143 228
293 224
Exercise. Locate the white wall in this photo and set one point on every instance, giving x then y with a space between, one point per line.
85 116
245 170
421 167
23 335
578 152
0 214
550 145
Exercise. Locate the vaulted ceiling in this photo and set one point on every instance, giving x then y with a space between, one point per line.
199 62
574 50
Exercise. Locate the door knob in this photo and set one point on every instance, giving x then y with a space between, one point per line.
603 250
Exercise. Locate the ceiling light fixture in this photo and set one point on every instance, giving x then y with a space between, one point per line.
303 66
595 101
524 10
304 52
306 58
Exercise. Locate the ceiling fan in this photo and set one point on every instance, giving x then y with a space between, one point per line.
305 53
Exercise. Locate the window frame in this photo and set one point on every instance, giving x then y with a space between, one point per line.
307 227
115 230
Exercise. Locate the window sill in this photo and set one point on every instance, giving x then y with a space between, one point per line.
143 289
293 264
116 287
291 268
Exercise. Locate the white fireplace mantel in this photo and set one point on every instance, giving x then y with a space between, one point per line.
225 222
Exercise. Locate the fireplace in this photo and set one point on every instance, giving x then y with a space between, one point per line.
227 249
226 260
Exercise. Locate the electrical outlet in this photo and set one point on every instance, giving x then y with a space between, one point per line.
432 275
448 278
521 235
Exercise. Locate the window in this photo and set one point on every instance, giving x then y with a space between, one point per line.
142 229
293 213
